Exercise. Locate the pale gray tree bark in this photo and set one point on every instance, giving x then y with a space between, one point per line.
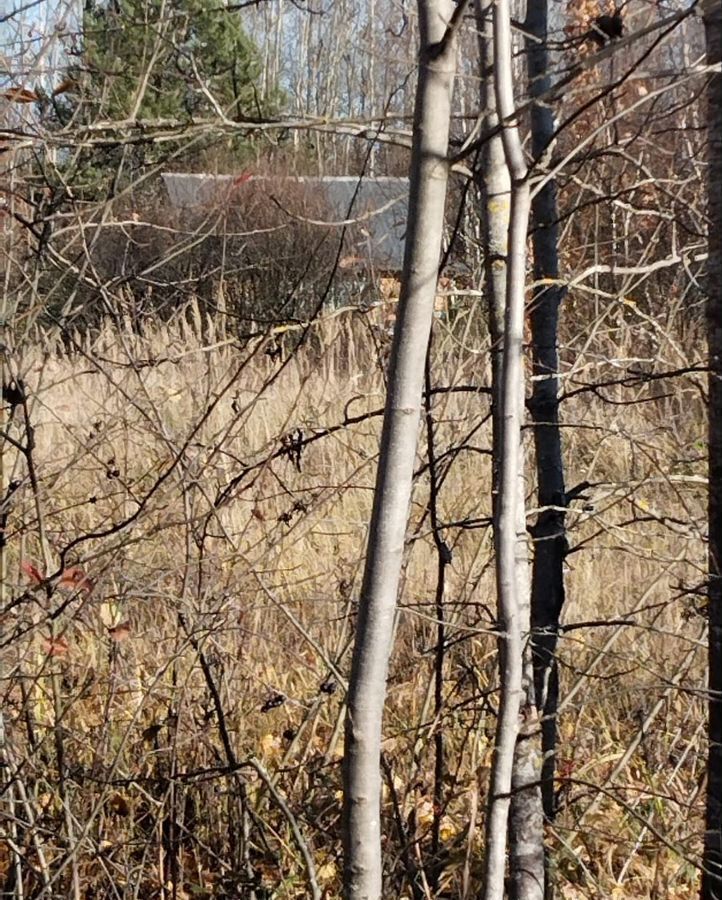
549 531
712 858
526 824
367 684
510 531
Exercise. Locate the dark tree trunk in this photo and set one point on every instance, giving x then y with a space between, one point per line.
549 532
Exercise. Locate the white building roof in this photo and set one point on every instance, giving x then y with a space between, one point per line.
373 209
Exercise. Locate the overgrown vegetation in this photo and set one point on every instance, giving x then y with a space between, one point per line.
192 398
216 500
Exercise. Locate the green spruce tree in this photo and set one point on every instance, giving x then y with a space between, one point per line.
149 60
145 69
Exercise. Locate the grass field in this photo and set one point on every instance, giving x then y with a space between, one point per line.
216 499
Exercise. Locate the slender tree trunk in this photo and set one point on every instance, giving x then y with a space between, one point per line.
495 189
510 508
712 859
367 686
549 532
526 825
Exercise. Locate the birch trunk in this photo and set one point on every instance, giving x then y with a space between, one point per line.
712 859
367 686
526 825
510 508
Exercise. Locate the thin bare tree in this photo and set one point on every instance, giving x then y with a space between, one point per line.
526 830
367 686
509 531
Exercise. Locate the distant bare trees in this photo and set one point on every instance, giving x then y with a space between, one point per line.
350 62
712 859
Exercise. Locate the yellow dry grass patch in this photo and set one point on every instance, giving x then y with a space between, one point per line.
240 560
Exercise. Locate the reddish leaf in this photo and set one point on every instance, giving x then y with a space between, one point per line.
75 579
56 646
32 573
20 95
68 85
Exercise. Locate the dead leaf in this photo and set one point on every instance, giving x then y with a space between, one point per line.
56 646
20 95
32 572
75 579
120 632
151 732
68 84
118 805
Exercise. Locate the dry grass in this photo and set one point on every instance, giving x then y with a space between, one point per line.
258 586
